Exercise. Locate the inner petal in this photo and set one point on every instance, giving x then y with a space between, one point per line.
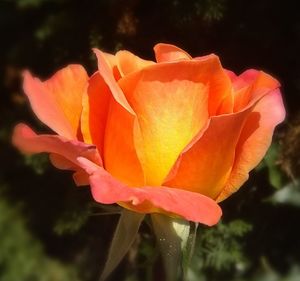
170 102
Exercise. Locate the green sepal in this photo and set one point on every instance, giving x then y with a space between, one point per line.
123 238
188 249
176 240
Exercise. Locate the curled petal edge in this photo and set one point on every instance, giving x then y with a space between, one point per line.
167 52
63 152
151 199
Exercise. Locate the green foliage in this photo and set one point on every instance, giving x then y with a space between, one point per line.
211 10
271 164
220 247
22 256
39 162
271 160
70 221
23 4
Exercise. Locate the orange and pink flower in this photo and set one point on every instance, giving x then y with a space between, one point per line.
175 136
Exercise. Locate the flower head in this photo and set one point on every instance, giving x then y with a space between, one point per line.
174 136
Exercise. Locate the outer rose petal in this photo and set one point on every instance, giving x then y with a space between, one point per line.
205 165
147 199
64 152
61 162
128 62
254 140
171 106
57 101
80 178
168 52
95 104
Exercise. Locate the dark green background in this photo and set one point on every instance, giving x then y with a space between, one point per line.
50 230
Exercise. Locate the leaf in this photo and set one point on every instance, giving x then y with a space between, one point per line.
123 238
175 242
275 174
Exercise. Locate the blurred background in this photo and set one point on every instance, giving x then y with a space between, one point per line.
51 230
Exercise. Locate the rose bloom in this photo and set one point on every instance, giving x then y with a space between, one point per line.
175 136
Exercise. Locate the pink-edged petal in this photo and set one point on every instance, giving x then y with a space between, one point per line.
230 74
191 206
95 104
29 142
57 101
246 78
107 75
251 84
168 52
128 62
255 139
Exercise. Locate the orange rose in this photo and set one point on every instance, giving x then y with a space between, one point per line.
172 136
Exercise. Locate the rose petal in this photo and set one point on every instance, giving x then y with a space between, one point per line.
250 85
107 75
220 99
57 101
220 92
171 107
128 62
205 165
61 162
68 150
120 156
255 139
112 62
231 75
191 206
80 176
168 52
95 104
170 100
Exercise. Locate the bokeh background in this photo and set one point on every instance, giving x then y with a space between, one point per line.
52 231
